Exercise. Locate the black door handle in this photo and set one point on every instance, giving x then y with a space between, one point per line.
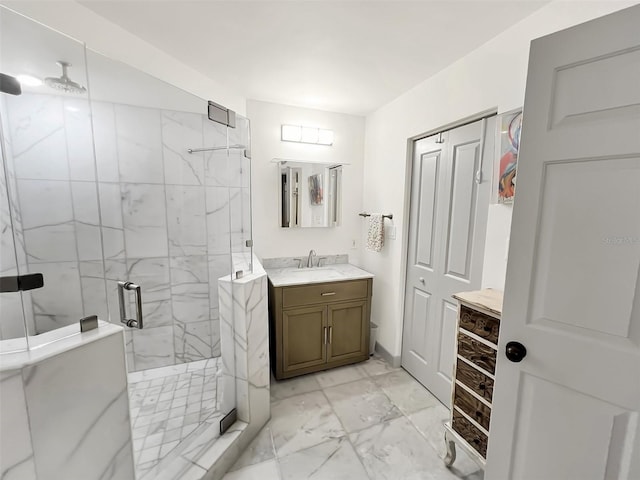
515 351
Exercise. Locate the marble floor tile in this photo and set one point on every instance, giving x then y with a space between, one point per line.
293 386
361 404
261 471
406 392
167 404
376 366
303 421
429 423
259 450
340 375
395 450
408 447
332 460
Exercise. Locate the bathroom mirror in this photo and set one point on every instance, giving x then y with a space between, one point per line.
309 194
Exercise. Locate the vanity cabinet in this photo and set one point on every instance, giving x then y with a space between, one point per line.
479 315
318 326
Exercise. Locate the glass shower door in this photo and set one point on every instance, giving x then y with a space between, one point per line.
165 184
49 172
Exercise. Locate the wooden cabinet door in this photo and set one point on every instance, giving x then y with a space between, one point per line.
303 337
348 330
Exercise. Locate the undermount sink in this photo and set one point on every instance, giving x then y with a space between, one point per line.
316 273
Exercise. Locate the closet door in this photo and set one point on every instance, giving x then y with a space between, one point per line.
446 245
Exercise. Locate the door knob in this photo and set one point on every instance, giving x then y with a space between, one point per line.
515 351
421 279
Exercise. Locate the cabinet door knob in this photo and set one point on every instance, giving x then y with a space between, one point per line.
515 351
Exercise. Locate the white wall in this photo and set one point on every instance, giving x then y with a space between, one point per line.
107 38
271 240
492 76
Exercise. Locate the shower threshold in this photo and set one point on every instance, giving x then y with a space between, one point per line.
168 404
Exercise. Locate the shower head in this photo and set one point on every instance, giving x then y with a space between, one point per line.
64 83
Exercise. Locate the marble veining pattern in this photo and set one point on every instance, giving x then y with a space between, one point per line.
244 371
159 215
403 446
287 276
167 405
65 409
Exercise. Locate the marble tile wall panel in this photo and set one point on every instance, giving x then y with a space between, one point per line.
93 289
105 139
181 131
215 337
218 222
12 324
219 266
186 220
223 168
139 135
153 276
13 255
47 220
160 225
192 341
190 289
59 302
79 139
92 439
16 453
153 347
258 349
87 220
144 219
227 381
244 318
112 224
236 210
36 128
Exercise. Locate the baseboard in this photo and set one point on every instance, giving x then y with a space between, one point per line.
394 361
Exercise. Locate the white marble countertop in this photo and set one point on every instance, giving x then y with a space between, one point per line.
339 272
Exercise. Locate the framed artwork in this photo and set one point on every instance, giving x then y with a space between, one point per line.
507 147
315 189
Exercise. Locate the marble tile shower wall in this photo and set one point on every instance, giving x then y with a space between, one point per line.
167 219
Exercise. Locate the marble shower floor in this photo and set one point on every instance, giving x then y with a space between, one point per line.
361 422
167 404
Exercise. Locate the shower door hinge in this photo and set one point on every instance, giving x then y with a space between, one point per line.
21 283
218 113
228 420
248 243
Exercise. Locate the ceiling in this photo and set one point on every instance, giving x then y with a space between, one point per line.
344 56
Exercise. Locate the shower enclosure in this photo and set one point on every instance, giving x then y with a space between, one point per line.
112 179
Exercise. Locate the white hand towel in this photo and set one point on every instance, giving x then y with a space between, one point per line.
375 236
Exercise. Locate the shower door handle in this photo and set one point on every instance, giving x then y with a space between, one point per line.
130 322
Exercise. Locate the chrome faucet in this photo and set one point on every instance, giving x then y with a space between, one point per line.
312 254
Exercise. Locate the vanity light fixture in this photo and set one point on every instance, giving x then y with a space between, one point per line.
300 134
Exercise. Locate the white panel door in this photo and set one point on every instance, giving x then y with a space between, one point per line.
570 409
446 245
